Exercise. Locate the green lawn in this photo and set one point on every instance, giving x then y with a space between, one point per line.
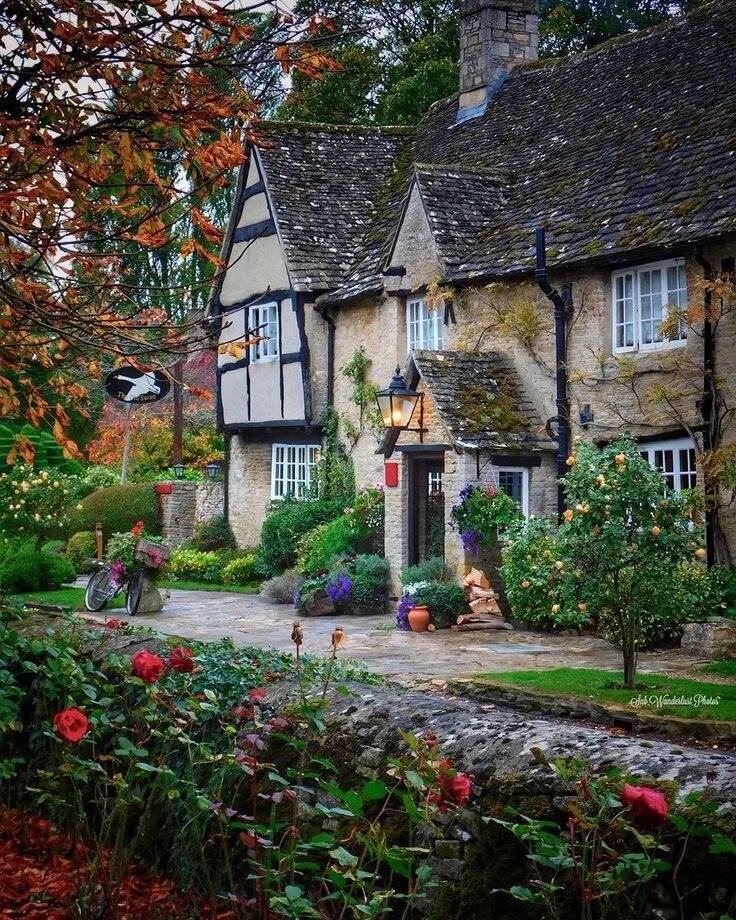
600 686
64 597
721 669
252 588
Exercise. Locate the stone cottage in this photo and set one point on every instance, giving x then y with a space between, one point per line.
418 247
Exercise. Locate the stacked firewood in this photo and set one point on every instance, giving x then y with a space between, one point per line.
483 603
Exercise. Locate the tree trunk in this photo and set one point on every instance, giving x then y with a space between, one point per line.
177 444
630 646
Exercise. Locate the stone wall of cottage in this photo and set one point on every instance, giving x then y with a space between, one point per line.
188 505
249 489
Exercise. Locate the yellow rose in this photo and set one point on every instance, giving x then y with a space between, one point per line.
656 531
582 607
620 458
555 608
525 584
559 564
700 553
568 515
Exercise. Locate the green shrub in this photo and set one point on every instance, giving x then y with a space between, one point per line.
370 578
23 569
318 549
56 547
80 547
445 601
432 569
287 522
283 588
241 571
194 565
98 477
214 534
118 508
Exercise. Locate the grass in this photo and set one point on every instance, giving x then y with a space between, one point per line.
721 669
64 597
252 588
601 686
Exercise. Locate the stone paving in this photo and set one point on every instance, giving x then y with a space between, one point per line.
254 620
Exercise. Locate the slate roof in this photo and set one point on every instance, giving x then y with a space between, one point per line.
627 148
480 399
326 184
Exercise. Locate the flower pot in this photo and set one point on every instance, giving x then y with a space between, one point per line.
419 618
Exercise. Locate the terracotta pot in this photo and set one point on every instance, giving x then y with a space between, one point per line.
418 618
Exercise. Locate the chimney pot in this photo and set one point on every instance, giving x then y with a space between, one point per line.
495 37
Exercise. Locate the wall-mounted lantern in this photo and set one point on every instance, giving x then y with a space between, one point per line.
213 470
397 403
179 470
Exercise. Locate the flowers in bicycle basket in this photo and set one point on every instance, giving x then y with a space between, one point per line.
138 528
156 558
119 572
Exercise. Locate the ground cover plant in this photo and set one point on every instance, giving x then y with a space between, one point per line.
707 700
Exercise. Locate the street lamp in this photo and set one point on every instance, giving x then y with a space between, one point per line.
397 403
179 470
213 470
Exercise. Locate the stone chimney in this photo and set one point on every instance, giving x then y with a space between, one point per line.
495 36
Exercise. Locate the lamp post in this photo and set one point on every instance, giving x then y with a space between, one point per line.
213 470
397 403
179 470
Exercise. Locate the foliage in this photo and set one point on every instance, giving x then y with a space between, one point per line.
118 508
286 523
621 547
241 571
336 471
195 565
97 477
283 588
362 395
80 547
121 546
319 548
479 514
34 504
38 447
214 534
369 575
431 569
24 568
132 179
445 601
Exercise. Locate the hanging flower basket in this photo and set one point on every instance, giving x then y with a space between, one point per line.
151 555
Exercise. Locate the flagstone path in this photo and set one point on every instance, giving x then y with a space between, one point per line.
254 620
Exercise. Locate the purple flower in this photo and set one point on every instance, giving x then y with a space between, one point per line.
402 619
118 570
341 589
471 540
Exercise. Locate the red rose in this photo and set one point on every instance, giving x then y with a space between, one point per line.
257 695
455 789
71 724
181 659
147 666
647 805
116 624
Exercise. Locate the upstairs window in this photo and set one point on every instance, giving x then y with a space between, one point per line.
293 469
641 299
264 320
676 460
424 329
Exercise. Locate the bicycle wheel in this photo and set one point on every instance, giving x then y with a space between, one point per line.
100 591
135 593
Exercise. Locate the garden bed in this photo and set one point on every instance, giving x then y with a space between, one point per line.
679 707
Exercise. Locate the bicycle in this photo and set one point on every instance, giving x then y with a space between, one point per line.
102 588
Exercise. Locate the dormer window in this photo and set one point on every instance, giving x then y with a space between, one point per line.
642 298
424 329
264 320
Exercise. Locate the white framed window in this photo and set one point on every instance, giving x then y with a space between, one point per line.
642 297
514 481
434 482
293 468
424 328
675 458
264 320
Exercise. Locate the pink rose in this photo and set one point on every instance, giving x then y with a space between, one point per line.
647 805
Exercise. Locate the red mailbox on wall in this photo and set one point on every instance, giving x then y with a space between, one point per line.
391 474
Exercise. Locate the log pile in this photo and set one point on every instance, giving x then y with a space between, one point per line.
483 603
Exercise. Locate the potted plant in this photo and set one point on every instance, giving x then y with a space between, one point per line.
445 601
411 613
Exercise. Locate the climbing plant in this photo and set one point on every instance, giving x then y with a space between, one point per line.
363 395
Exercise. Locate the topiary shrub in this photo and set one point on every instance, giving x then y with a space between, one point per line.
23 569
287 522
80 547
118 508
194 565
241 571
283 588
214 534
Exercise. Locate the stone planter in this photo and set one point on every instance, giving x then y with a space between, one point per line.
322 607
151 599
715 638
418 619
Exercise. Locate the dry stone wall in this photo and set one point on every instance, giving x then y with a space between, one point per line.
188 505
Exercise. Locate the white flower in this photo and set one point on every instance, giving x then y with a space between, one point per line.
56 484
79 506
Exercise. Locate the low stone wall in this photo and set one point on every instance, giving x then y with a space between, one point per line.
715 638
187 505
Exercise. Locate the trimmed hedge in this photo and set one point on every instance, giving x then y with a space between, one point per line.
23 569
287 522
118 508
79 548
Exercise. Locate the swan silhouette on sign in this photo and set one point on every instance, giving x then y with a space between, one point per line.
130 385
140 386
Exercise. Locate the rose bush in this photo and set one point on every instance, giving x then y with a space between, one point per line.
147 666
71 724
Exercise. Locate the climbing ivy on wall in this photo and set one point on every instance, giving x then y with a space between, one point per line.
363 395
336 469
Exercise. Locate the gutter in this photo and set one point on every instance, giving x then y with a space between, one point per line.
563 408
706 407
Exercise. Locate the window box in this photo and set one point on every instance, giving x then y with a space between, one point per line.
641 297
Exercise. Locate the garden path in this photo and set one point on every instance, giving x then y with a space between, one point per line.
254 620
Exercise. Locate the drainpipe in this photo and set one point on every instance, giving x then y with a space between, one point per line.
226 477
563 410
706 406
330 353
